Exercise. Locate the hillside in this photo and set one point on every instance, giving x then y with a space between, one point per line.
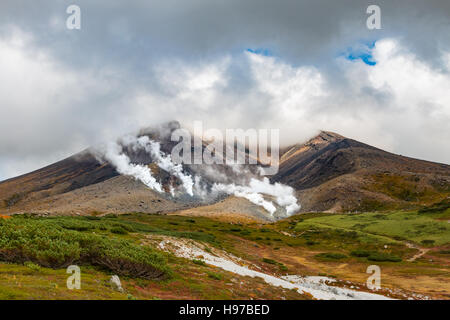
80 185
333 173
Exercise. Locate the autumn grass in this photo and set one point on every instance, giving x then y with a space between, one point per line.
391 227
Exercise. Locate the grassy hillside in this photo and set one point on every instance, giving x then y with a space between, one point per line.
425 229
35 250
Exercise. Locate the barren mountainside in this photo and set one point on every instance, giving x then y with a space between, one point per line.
333 173
329 173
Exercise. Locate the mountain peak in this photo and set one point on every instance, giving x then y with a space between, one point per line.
330 136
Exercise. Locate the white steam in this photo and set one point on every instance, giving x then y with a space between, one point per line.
247 193
254 190
165 162
113 153
284 195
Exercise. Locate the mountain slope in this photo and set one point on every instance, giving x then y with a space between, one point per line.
329 173
333 173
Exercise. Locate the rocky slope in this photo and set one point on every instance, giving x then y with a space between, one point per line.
333 173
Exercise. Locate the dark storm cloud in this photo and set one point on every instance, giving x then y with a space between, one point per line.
300 31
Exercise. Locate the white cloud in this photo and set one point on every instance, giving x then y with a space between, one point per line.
34 95
50 110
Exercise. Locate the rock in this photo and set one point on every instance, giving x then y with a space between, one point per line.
115 283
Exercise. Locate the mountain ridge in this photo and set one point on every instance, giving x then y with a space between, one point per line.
329 173
334 173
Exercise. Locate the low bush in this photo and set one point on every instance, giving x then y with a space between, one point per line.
361 253
437 207
427 242
330 256
269 261
199 262
32 266
48 244
118 230
283 267
77 225
215 276
125 226
91 218
383 257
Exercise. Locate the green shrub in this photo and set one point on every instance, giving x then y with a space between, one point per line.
111 216
283 267
118 230
48 243
361 253
215 276
127 227
92 218
207 249
32 266
77 225
199 262
427 242
381 257
269 261
330 256
437 207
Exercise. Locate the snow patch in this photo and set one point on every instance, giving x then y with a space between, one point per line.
318 287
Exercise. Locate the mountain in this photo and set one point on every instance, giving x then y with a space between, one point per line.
79 184
329 173
334 173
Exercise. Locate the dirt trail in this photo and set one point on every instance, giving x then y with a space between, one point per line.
422 251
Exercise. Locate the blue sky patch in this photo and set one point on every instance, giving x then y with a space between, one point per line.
361 51
261 51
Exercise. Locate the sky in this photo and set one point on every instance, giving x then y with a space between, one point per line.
298 66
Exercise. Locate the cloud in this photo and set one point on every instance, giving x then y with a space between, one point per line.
399 100
136 64
303 31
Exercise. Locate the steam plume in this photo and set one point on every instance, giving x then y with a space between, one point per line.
164 162
115 156
284 195
240 183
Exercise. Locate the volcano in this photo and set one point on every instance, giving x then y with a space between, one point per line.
337 174
327 173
